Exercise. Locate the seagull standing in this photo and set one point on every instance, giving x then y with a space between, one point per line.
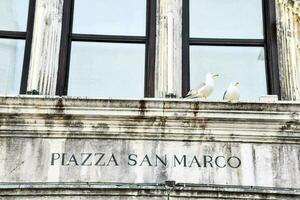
204 89
232 94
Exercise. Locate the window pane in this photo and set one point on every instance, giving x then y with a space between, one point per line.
226 19
11 63
107 70
13 15
243 64
110 17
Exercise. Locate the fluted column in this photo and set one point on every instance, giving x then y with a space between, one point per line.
45 47
288 27
168 48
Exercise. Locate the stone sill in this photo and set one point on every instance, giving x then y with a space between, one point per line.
149 119
151 102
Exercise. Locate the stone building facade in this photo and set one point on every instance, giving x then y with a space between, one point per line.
54 146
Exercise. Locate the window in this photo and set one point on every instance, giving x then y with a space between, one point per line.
237 39
16 26
107 48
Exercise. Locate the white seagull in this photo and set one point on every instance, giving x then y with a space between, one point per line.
204 89
232 94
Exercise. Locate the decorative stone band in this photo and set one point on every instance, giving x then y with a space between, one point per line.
165 120
248 144
111 191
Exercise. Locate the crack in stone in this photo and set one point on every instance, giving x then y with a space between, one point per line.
14 169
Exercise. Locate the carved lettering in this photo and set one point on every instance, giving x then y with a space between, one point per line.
146 159
112 160
132 160
86 157
98 162
217 162
162 161
183 159
107 159
208 160
195 160
73 160
234 162
54 156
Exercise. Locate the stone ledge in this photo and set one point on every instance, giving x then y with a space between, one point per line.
149 119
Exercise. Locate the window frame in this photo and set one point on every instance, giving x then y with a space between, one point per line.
67 37
27 37
269 42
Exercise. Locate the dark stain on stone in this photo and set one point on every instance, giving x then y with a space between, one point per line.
142 107
162 122
196 108
298 160
203 123
290 125
254 164
68 117
74 124
49 123
60 106
9 119
196 123
211 138
151 120
101 126
295 115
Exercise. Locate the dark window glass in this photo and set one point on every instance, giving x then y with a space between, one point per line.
107 47
226 19
243 64
110 17
11 54
13 15
107 69
234 38
15 39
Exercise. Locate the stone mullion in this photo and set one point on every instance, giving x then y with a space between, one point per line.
168 48
45 47
288 40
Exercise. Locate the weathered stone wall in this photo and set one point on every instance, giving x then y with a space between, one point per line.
250 149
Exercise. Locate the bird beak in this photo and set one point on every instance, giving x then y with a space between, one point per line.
237 83
215 75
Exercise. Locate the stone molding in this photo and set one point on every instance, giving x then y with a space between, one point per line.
271 128
149 119
288 14
153 190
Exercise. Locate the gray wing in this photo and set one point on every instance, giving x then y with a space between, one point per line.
200 86
224 95
193 91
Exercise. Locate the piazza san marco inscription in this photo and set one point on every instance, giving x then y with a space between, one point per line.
131 160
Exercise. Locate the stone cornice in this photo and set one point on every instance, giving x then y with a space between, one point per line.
149 119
